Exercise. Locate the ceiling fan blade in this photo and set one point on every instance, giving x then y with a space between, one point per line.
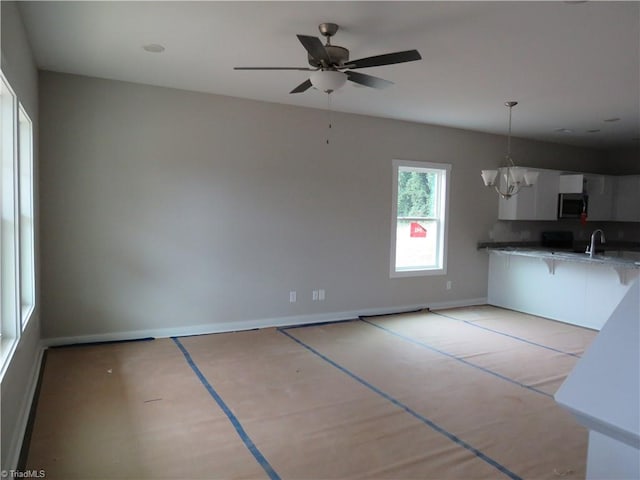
386 59
302 87
314 47
367 80
306 69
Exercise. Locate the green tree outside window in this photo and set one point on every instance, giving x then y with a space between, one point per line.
415 194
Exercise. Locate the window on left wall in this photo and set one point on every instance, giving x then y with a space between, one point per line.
17 266
26 264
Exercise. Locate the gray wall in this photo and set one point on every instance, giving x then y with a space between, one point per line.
18 379
165 209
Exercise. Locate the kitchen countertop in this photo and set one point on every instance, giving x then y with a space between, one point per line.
577 247
562 255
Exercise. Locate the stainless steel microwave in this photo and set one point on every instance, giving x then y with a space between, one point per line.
572 205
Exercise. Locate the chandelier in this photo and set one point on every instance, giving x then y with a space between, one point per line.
511 178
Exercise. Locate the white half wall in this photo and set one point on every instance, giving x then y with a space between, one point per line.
611 459
578 293
603 392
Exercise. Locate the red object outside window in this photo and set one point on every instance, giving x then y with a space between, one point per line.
417 230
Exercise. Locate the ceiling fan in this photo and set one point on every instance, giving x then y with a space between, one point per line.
331 66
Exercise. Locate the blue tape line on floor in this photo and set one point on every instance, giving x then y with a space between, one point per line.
232 418
462 360
407 409
507 335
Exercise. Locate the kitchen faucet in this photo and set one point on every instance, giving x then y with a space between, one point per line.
592 248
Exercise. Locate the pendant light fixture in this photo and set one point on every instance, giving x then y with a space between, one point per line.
511 178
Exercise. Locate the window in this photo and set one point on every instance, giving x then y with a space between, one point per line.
26 244
8 247
419 218
17 273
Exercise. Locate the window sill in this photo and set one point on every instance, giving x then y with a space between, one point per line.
418 273
26 315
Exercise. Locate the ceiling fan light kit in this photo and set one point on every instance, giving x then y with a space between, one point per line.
513 177
328 80
332 68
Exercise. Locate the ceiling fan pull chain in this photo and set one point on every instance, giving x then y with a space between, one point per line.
328 116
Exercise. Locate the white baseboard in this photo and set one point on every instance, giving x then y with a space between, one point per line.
458 303
209 328
13 455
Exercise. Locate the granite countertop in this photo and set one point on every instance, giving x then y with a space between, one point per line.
533 249
578 247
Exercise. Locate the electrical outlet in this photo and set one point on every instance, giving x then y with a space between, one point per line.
292 296
314 295
321 294
449 284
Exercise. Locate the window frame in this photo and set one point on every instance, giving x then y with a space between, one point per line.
444 179
25 230
9 280
17 234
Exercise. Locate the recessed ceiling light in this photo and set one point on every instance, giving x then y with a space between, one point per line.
595 130
564 130
154 48
612 119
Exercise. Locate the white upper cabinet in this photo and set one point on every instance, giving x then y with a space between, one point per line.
538 202
600 190
571 183
611 198
626 198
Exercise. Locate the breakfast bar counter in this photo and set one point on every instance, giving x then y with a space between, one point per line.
562 285
615 259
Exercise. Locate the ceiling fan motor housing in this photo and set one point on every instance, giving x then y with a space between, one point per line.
338 55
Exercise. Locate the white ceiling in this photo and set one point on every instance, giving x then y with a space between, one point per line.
570 65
